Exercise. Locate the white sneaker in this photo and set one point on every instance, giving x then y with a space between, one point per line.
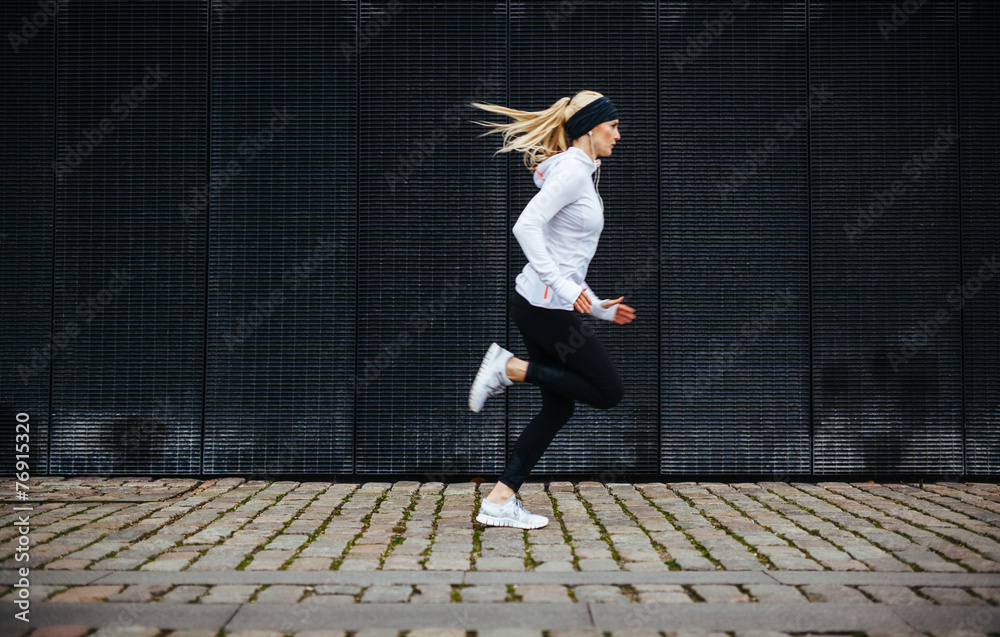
510 513
491 379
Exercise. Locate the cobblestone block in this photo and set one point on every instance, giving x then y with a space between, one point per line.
37 593
598 565
269 560
359 565
403 563
944 595
593 553
775 594
992 594
86 593
555 566
447 563
662 594
69 564
311 564
387 593
899 595
720 593
548 553
329 599
639 555
499 564
184 594
165 565
834 593
280 594
483 593
928 561
229 594
140 593
432 594
542 593
599 593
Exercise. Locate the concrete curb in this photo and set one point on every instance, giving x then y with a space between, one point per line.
576 578
791 618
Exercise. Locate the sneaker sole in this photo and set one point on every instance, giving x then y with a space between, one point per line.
492 521
478 385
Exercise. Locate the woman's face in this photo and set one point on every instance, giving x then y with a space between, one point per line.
605 136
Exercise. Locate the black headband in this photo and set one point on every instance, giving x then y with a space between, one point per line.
585 119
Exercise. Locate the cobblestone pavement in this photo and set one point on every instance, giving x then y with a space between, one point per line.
141 557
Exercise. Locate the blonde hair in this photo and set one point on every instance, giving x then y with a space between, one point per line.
541 133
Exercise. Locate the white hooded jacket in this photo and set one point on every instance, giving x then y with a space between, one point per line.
558 231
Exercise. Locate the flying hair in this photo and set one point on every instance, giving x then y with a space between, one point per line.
536 134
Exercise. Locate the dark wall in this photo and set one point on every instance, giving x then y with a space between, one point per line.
263 236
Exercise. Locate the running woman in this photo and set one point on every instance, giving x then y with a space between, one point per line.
558 231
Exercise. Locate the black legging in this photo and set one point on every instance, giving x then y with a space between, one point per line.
568 363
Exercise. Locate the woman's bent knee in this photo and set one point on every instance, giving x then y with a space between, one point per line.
610 397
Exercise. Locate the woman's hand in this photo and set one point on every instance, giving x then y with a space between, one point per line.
624 315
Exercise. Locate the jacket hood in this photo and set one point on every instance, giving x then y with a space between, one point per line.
571 154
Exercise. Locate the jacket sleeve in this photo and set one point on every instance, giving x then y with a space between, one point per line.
559 189
607 314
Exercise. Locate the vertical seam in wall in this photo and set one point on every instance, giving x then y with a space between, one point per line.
52 236
357 229
208 216
659 251
961 241
506 236
809 214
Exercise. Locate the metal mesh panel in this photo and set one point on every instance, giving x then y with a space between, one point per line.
432 236
300 179
27 73
734 284
282 238
127 390
885 201
556 49
979 65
